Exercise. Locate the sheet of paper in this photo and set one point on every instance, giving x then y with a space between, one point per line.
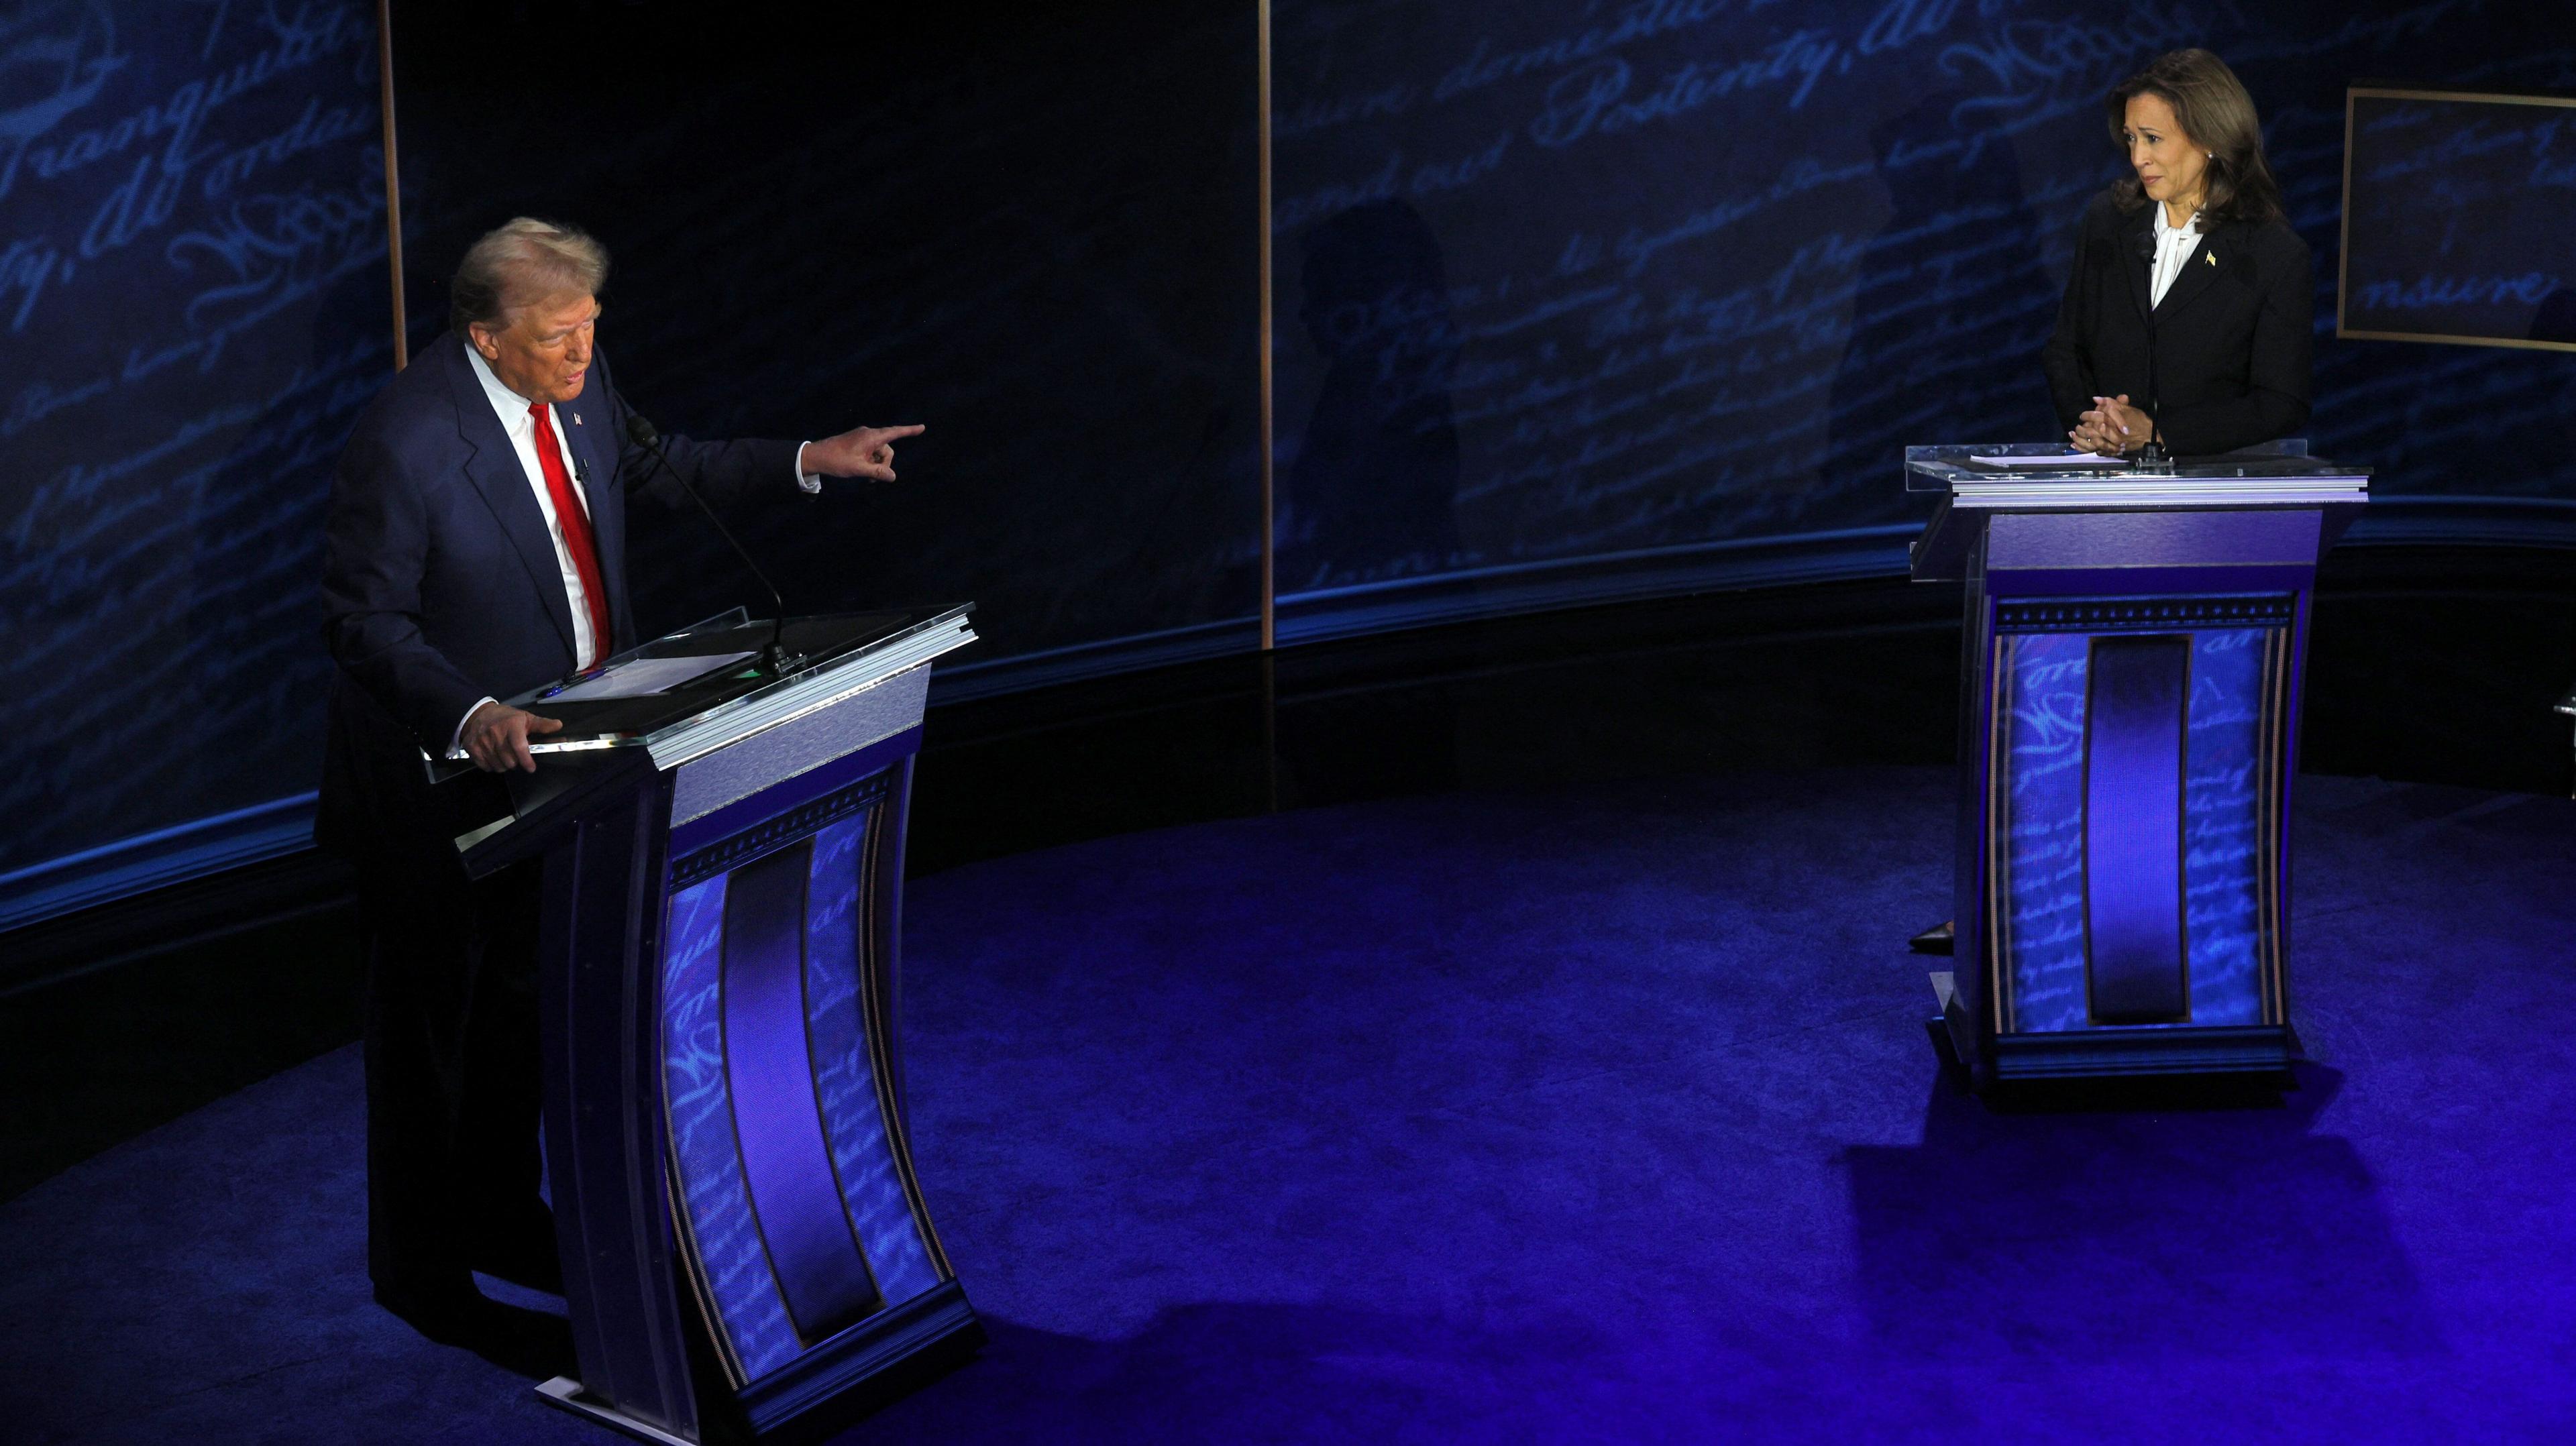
643 677
2069 458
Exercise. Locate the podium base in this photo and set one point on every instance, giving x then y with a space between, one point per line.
2262 1050
2250 1052
565 1392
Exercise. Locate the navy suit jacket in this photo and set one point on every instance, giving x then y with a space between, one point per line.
440 584
2233 335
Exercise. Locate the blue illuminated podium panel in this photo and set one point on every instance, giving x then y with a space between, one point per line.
2131 665
745 1243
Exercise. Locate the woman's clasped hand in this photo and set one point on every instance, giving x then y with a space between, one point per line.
2111 427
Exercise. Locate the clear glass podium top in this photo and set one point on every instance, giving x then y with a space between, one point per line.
1954 469
835 654
2056 481
716 695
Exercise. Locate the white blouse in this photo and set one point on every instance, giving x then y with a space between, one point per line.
2173 247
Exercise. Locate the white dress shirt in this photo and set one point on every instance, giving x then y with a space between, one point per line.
2174 246
521 429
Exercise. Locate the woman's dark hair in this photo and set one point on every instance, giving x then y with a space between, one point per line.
2215 113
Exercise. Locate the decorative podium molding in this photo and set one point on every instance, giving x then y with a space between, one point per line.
2133 650
745 1244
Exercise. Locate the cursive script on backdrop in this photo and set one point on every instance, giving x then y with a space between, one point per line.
1707 265
2461 211
192 309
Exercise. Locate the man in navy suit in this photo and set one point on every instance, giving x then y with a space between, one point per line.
476 548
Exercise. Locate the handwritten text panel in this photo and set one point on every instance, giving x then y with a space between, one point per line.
2462 214
193 307
1558 280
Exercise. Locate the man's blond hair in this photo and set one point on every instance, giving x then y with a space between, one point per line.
521 262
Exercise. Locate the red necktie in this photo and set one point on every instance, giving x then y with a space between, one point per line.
576 531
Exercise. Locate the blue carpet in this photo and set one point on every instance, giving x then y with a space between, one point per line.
1597 1115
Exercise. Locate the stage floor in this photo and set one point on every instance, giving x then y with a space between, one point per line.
1599 1114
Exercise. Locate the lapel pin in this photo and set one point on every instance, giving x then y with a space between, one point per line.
2209 256
576 419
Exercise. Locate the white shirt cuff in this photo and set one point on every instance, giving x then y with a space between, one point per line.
806 481
456 740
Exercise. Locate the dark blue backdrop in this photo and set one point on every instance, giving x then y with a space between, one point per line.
1033 227
193 304
1560 282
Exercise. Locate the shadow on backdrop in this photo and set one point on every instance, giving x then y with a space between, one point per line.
1373 493
1950 307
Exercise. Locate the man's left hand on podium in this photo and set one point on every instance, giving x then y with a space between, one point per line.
859 452
495 736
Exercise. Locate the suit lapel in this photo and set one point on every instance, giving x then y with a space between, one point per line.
2197 273
2140 239
495 472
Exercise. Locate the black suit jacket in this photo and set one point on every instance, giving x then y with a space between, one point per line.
2233 334
440 583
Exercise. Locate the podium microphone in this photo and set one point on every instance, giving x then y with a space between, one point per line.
2151 457
774 659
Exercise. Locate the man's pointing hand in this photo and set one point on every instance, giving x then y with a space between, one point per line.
859 452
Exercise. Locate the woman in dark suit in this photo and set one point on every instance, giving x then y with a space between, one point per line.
2195 247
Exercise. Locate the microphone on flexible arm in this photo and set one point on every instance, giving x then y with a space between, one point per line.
2151 457
775 660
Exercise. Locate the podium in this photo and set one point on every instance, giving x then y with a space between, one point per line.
744 1242
2130 672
